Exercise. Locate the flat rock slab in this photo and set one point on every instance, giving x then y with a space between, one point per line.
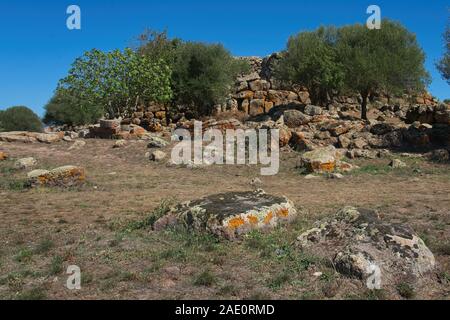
30 137
231 215
359 243
68 176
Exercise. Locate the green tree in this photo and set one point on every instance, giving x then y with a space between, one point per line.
19 119
203 75
444 64
117 81
310 60
388 60
66 108
157 45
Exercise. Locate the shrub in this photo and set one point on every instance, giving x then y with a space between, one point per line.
67 108
19 119
203 76
311 60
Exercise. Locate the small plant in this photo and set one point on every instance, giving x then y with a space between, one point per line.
44 246
24 255
406 290
162 209
279 280
32 294
56 265
205 279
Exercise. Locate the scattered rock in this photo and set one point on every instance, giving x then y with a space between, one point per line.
295 118
440 155
231 215
311 110
3 156
157 156
119 144
67 176
320 160
156 142
256 182
311 177
396 164
78 144
337 176
25 163
359 242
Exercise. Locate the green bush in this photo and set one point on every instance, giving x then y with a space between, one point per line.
66 108
19 119
203 75
311 60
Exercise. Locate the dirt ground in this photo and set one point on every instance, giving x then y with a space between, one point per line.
43 231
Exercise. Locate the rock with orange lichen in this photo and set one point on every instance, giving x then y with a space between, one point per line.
68 176
231 215
320 160
3 156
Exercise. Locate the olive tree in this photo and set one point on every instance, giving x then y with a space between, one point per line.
444 64
388 60
310 60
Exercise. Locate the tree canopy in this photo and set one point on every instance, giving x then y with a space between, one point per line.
19 118
444 64
311 60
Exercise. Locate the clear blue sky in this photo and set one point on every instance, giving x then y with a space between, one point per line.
36 48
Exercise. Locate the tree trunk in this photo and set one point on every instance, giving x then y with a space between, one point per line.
364 106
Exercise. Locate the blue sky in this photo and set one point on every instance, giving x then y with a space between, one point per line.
37 48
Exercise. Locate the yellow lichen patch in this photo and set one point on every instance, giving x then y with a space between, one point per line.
268 217
236 223
3 156
252 219
283 213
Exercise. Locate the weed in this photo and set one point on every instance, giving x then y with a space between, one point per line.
204 279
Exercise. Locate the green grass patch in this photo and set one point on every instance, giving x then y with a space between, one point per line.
204 279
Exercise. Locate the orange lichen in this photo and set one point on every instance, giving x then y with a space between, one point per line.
252 219
283 212
268 218
236 223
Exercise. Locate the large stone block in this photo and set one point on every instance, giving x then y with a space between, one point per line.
231 215
67 176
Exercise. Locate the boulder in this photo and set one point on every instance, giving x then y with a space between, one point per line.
320 160
78 144
295 118
397 164
119 144
311 110
156 142
231 215
358 242
3 156
25 163
157 156
439 155
49 137
67 176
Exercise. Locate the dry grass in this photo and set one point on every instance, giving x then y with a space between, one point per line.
103 228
